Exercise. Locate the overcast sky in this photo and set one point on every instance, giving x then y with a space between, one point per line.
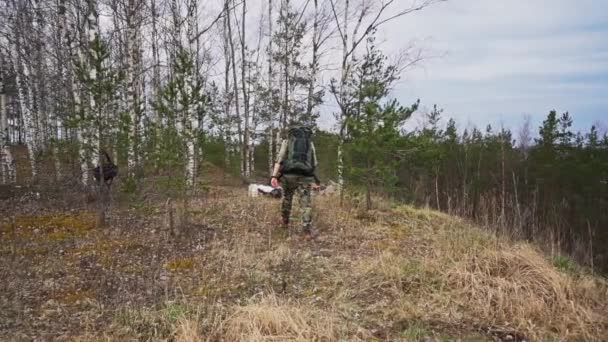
503 59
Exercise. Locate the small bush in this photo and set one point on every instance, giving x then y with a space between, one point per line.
129 185
564 263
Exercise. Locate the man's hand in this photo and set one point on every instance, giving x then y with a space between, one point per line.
274 182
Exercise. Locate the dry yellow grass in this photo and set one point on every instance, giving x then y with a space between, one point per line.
516 286
271 319
403 274
395 273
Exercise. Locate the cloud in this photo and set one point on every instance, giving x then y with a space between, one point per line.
506 58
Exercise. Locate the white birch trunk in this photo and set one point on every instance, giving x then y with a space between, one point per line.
270 89
235 82
156 82
175 30
191 120
277 145
343 78
315 61
227 96
37 79
245 89
96 107
93 36
286 93
77 58
6 157
156 68
25 98
61 72
252 159
132 52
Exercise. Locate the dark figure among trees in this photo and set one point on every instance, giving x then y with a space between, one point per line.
110 170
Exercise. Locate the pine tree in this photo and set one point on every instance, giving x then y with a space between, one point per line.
374 126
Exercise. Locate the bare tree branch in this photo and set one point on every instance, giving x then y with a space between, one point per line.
210 26
333 9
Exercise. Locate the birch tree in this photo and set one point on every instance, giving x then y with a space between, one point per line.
74 42
369 16
39 77
228 93
192 88
271 157
7 166
61 94
156 77
101 81
95 51
230 39
23 80
244 87
133 44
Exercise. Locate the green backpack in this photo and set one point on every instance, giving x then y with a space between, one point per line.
299 159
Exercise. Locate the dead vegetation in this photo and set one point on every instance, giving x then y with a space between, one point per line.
395 273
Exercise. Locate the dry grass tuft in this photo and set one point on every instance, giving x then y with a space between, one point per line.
188 331
271 319
516 286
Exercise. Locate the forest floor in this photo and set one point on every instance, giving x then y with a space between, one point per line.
394 273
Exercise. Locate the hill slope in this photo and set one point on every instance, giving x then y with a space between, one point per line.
396 273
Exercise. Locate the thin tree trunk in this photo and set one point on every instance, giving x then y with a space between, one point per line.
437 189
156 77
591 255
464 202
24 94
343 77
503 180
286 63
38 95
62 75
133 107
227 95
6 157
76 91
246 95
517 207
155 50
270 93
235 79
191 121
315 61
95 108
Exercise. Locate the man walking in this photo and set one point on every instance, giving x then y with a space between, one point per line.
295 167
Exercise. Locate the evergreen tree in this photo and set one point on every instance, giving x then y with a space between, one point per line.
374 126
175 104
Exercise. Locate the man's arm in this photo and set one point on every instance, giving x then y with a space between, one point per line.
277 165
275 171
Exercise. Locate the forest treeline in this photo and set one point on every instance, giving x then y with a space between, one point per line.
546 184
166 86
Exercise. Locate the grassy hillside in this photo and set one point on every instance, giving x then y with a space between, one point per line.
395 273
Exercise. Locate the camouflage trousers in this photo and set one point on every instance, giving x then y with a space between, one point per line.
302 185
